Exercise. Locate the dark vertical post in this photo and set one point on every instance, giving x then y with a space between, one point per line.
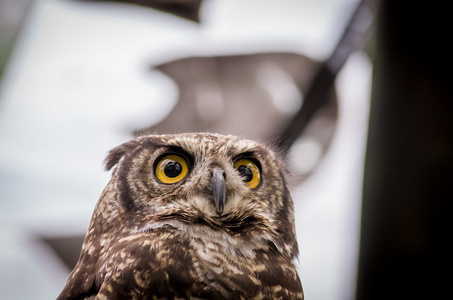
318 94
406 233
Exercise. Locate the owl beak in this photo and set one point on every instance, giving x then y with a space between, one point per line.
219 189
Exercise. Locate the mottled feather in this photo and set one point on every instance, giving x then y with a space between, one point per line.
151 240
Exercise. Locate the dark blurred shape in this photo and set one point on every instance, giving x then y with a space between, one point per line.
253 96
188 9
354 37
405 247
12 16
67 248
237 94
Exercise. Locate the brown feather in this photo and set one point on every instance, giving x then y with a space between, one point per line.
150 240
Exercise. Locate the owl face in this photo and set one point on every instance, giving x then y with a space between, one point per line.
221 183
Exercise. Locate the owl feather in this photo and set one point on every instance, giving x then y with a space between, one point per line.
190 216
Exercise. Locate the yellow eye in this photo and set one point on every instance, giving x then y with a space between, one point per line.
249 171
171 169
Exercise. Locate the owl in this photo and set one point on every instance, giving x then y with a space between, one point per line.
190 216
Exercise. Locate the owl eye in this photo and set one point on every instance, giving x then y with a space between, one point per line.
249 171
171 169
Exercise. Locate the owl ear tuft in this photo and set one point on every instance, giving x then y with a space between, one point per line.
117 153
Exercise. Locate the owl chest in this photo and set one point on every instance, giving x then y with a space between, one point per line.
216 257
200 263
225 268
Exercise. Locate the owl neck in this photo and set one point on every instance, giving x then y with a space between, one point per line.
245 242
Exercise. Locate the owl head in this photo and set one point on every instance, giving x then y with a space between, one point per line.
221 183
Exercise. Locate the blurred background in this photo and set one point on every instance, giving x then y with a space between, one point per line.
79 77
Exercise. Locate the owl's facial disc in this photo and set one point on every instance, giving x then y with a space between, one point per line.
219 189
